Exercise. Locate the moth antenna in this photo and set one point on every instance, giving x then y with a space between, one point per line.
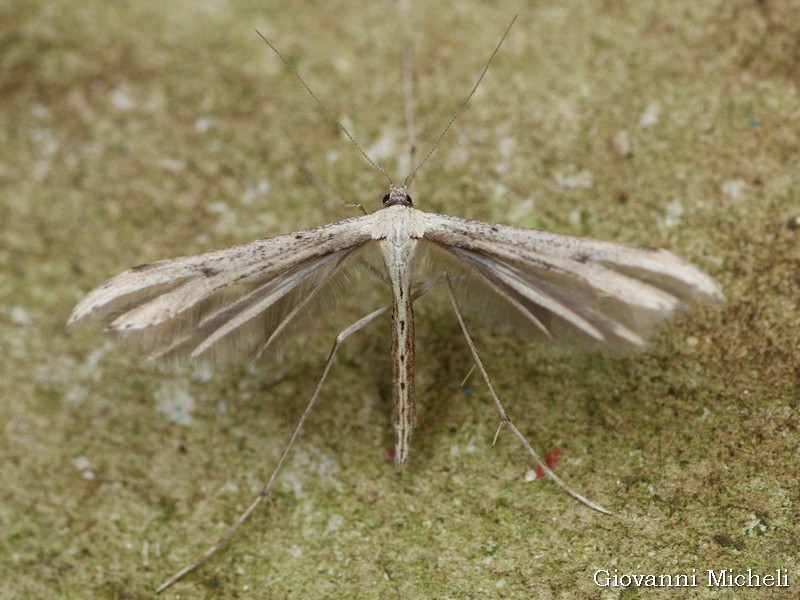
408 101
461 107
325 108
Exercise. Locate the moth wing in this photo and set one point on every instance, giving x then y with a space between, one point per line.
595 293
227 303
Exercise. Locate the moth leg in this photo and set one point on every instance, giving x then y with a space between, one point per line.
505 420
360 324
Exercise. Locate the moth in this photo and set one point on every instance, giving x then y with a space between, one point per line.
240 300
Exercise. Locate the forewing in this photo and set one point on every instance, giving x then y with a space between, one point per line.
226 303
597 293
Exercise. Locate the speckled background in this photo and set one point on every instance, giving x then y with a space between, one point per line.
131 132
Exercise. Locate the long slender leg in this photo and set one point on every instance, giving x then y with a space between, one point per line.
360 324
505 420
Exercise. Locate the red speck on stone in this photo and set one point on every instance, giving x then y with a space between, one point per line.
550 459
552 456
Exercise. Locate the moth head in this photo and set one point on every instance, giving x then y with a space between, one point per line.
397 196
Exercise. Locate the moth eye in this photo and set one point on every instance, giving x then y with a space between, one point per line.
386 198
409 200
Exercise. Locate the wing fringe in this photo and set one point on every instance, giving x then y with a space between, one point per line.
595 293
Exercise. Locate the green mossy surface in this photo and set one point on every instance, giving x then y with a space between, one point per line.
135 131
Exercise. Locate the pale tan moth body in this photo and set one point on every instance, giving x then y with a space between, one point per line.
398 243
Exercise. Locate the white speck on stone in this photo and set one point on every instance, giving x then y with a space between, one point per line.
93 358
218 208
342 64
521 210
227 219
20 317
754 526
499 193
174 400
203 124
622 144
84 466
229 487
734 189
171 165
76 394
121 99
326 466
293 483
672 214
259 189
582 179
384 148
506 147
334 523
40 111
650 116
203 372
81 463
252 369
367 410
